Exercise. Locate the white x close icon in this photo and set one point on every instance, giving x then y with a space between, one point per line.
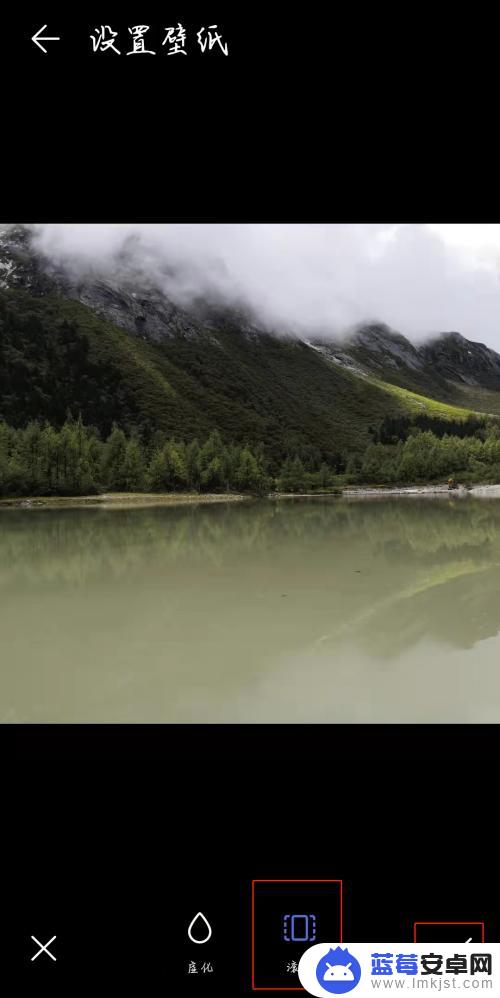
44 948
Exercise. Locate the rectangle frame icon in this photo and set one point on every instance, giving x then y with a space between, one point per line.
336 880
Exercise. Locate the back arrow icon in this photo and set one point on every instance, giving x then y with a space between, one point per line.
38 41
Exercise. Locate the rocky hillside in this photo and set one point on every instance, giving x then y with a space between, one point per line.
448 367
462 361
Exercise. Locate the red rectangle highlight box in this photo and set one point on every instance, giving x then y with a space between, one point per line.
269 881
415 940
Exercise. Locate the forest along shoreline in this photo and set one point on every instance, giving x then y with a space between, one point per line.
135 499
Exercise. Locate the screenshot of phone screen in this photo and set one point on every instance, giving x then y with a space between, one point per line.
249 555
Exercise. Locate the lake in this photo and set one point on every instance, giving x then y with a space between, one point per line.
322 610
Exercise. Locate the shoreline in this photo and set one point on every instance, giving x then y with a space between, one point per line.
122 500
132 500
433 491
405 490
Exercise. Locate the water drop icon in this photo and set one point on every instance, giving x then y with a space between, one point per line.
200 930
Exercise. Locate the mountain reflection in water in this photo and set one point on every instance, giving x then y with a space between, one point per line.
322 610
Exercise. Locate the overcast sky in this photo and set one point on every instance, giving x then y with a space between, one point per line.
419 279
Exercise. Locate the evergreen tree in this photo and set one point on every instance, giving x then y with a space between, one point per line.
31 456
292 477
17 483
249 477
175 465
193 466
94 457
212 477
353 468
156 472
324 477
133 466
211 457
114 459
50 456
5 448
231 464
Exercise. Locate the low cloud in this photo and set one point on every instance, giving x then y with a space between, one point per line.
306 278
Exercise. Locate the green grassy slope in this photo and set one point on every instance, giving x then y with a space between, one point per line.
57 354
478 398
428 384
417 403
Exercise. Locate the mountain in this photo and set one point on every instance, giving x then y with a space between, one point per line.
116 348
448 367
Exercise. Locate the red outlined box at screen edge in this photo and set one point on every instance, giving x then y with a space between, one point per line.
415 940
254 882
